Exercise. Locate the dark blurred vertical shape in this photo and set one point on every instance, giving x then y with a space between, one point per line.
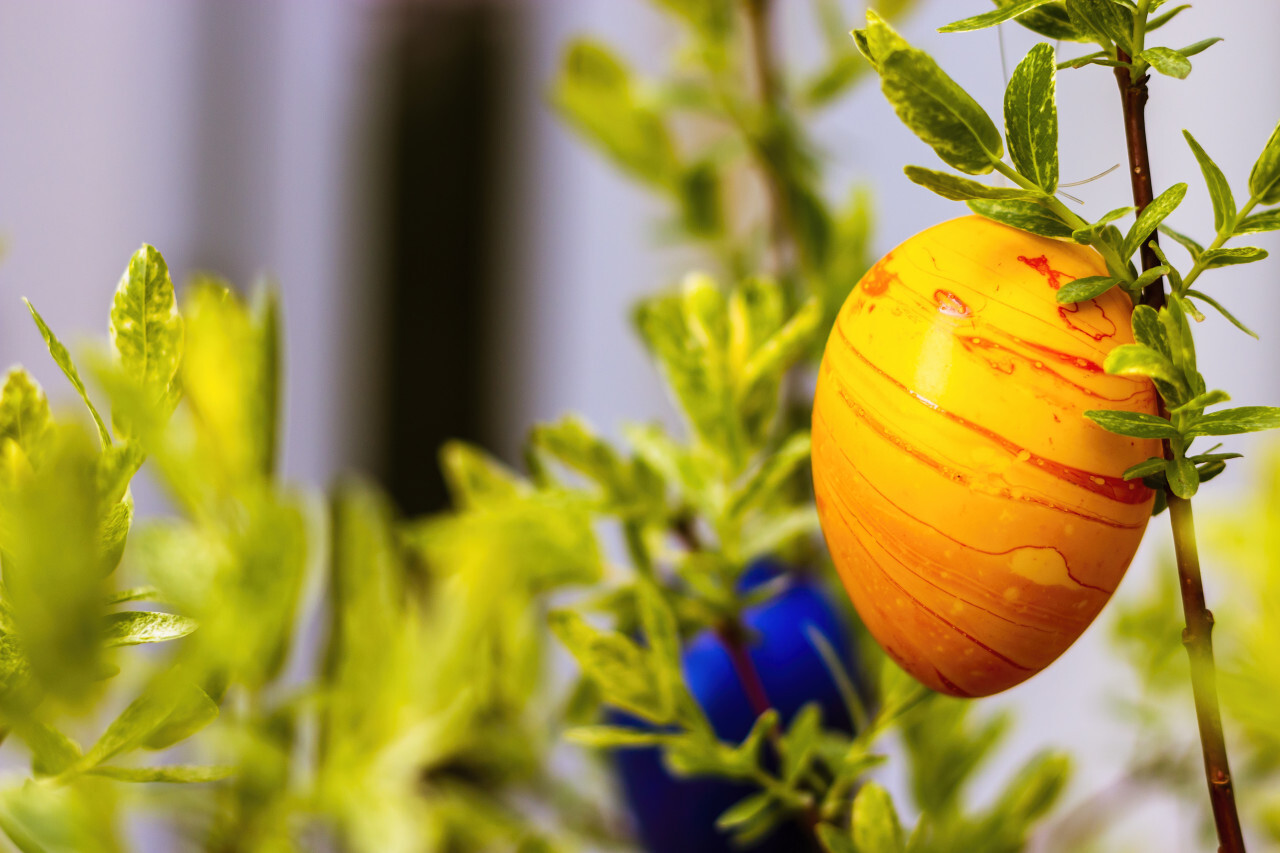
233 221
442 72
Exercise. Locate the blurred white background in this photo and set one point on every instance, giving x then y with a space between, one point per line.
243 136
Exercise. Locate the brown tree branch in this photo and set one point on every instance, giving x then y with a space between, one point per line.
1197 637
1133 95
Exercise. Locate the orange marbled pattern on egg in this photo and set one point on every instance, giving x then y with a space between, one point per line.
978 520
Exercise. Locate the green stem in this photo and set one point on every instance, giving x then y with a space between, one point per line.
1228 230
637 548
1139 37
1114 262
1197 637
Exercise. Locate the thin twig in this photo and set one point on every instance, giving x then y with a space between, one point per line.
764 67
734 636
1133 96
1197 636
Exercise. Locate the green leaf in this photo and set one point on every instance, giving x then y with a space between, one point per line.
839 675
1105 20
1167 61
1031 118
699 193
267 356
618 665
800 743
1096 58
137 593
956 188
1224 203
113 531
146 329
596 95
49 818
1140 360
1050 20
1231 318
995 16
1089 287
175 773
143 716
1209 470
24 411
662 635
744 811
1182 347
1193 248
230 378
62 358
1235 421
1215 457
137 627
1091 233
698 753
1165 268
835 840
836 78
713 19
1154 465
614 737
1033 791
1182 477
875 822
941 113
688 335
193 709
52 570
1264 179
1203 401
52 752
476 479
1147 330
1268 220
1025 216
781 349
1227 257
769 476
878 40
1160 504
1160 20
1152 215
1132 424
810 217
776 531
574 444
1151 275
1197 47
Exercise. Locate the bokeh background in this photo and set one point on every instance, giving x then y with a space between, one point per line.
455 264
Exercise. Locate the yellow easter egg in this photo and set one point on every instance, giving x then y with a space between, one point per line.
977 518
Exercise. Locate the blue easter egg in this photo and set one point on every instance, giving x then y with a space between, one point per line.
678 815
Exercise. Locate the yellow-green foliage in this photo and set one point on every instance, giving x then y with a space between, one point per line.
335 676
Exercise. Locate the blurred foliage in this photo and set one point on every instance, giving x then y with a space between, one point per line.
722 136
1240 539
335 677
